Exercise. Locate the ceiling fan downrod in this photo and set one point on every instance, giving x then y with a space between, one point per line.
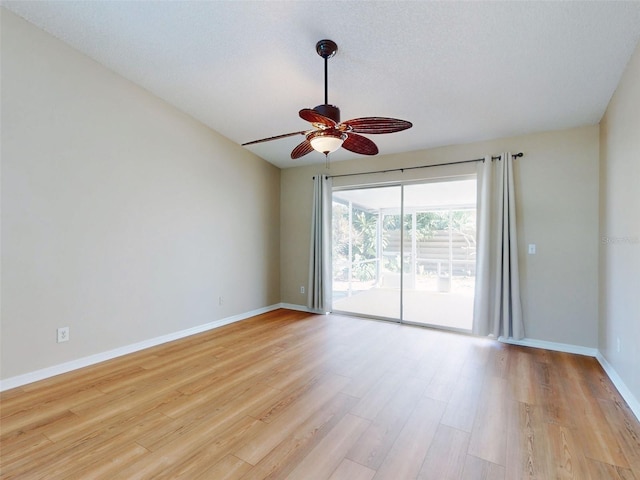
327 49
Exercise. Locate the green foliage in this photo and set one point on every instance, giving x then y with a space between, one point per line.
364 238
364 245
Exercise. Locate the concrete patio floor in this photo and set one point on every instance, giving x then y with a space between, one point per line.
453 309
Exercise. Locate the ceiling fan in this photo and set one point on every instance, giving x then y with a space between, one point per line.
329 133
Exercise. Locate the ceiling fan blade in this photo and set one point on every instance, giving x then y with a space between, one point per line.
275 138
302 149
377 125
358 144
314 117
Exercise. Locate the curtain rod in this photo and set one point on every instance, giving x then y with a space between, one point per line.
515 155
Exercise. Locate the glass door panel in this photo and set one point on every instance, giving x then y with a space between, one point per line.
366 271
440 251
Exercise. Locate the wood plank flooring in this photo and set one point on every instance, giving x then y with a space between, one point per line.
288 395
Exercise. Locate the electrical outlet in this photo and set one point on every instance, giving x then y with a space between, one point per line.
302 289
220 301
618 344
63 334
532 249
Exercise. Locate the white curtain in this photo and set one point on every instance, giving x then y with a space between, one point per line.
320 258
497 309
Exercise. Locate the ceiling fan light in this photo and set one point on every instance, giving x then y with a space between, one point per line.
327 142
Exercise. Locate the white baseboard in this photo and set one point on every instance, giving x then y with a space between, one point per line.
556 347
293 306
48 372
302 308
624 391
632 401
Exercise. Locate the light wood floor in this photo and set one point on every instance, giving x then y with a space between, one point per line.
292 395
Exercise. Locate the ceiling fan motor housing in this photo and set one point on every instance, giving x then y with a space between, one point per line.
329 111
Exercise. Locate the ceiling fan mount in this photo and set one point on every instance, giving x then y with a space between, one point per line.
329 133
326 48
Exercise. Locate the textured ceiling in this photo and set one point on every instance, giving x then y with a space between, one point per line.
460 71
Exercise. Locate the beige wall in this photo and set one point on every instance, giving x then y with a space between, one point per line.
122 217
557 183
620 229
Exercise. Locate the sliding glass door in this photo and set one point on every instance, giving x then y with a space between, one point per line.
406 252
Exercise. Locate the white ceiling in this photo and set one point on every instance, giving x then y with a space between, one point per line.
460 71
